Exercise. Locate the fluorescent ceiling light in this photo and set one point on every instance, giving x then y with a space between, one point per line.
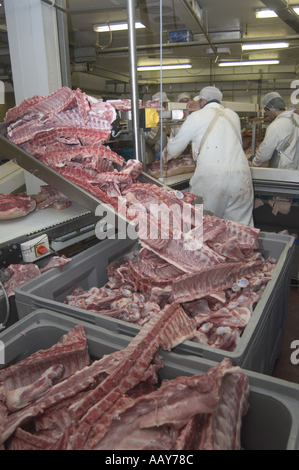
150 68
277 45
296 10
249 62
100 28
266 14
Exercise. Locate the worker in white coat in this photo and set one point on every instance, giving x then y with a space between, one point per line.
281 144
222 176
153 140
183 98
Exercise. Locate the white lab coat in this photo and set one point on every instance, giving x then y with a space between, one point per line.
222 176
278 135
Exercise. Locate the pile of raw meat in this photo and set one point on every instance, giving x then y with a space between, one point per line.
14 206
179 166
18 274
58 399
218 285
207 265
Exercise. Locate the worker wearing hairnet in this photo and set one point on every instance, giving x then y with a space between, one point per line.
182 98
153 140
222 176
281 144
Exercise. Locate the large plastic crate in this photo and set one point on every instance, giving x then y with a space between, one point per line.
272 422
261 342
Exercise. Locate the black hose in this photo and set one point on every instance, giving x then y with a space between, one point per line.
7 316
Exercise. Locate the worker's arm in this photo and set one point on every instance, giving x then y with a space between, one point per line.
267 147
178 144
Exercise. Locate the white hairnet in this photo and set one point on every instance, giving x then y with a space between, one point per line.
270 97
163 98
209 93
183 96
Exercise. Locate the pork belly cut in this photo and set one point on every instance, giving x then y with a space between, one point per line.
150 194
56 262
149 271
79 153
40 105
14 206
221 277
19 274
186 254
23 440
221 430
132 168
23 396
50 197
81 178
247 237
181 165
154 421
166 330
71 351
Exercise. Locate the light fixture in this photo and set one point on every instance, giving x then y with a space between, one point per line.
296 10
249 62
266 13
102 28
150 68
254 47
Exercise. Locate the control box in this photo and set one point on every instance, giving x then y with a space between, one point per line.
35 249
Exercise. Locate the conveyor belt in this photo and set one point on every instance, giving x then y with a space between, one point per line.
62 184
38 221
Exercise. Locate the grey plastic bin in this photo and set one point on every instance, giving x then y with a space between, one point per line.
261 342
272 422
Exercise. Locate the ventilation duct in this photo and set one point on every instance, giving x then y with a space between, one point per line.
221 51
284 12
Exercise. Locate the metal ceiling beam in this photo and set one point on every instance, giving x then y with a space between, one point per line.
284 12
226 42
188 4
86 9
104 73
246 77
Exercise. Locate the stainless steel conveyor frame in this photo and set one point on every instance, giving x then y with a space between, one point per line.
62 184
275 183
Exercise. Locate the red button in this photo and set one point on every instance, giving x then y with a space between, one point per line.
42 250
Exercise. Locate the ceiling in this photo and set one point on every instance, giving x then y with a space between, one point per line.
216 36
227 25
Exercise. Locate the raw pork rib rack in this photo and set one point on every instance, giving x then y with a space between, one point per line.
218 282
58 399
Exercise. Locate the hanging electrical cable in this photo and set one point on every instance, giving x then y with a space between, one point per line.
110 42
7 316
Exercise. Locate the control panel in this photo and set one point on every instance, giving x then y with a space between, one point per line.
35 249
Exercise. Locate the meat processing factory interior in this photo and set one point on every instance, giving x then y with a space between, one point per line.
149 227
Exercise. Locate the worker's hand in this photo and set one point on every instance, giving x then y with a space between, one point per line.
250 163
